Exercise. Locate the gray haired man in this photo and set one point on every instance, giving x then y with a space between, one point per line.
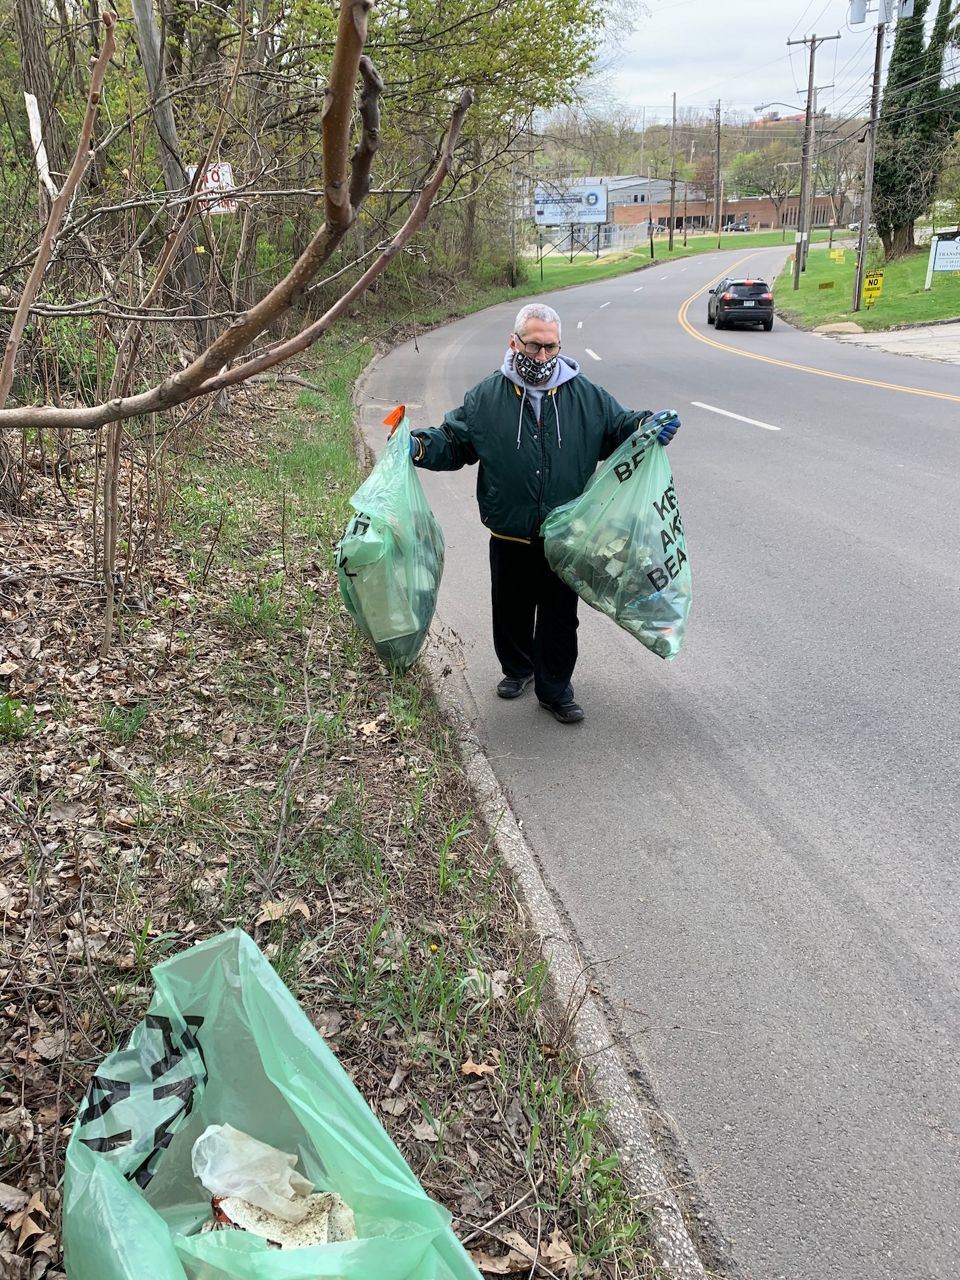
536 430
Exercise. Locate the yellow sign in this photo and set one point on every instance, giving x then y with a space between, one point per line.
836 255
872 287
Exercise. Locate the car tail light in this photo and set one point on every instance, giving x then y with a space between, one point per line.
766 297
725 297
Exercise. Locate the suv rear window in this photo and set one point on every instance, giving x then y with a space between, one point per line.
748 288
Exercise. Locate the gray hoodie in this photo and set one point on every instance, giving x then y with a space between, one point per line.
566 370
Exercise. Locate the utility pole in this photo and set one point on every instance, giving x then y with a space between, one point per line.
673 174
716 181
803 230
814 168
866 206
643 134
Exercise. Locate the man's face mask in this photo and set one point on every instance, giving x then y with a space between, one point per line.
535 372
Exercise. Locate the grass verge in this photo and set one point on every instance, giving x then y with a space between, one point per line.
826 292
559 272
240 758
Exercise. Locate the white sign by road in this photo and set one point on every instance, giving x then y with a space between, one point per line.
561 206
944 254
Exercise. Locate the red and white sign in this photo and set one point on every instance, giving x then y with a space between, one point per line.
218 179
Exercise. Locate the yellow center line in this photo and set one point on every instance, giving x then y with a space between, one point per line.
789 364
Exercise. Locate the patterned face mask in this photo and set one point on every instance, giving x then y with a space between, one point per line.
534 372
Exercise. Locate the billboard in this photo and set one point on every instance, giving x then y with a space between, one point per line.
563 206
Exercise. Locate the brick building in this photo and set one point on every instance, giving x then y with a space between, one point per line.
634 201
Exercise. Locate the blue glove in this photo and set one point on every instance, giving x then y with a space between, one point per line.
668 421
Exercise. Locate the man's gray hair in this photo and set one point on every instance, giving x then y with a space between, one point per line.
535 311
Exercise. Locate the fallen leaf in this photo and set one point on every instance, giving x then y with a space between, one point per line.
12 1198
558 1254
396 1107
278 910
519 1257
46 1244
28 1228
471 1068
50 1047
424 1131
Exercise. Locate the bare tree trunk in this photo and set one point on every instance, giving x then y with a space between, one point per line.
37 76
9 488
898 241
174 174
245 281
470 210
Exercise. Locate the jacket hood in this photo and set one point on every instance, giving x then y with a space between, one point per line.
566 369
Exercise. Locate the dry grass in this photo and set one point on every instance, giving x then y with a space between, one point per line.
241 759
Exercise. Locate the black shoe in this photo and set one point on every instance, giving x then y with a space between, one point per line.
513 686
565 712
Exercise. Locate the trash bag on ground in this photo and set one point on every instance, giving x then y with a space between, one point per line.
225 1044
620 545
390 558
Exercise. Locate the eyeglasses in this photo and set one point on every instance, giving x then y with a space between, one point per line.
534 348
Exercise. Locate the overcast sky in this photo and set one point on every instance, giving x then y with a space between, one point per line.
736 50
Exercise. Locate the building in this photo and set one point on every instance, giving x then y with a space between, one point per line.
634 201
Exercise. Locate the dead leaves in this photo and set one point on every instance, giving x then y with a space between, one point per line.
280 910
471 1068
29 1234
12 1199
555 1254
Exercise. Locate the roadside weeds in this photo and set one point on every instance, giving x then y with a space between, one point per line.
240 758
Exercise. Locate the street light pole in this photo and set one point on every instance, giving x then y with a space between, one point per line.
866 206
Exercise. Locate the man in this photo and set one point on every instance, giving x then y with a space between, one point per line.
537 428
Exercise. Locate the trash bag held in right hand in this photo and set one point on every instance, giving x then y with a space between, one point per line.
621 547
390 558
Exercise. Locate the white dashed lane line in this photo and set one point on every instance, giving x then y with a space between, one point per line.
593 354
579 324
604 304
638 288
712 408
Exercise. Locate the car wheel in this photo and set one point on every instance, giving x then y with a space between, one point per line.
709 318
768 324
718 323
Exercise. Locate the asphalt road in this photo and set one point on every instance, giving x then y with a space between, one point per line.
759 842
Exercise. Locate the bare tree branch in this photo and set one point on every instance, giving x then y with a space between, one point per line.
80 161
210 370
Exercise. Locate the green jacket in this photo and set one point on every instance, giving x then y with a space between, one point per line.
526 467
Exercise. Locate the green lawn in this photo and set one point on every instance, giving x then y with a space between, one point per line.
902 301
559 271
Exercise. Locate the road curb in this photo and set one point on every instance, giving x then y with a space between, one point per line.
591 1035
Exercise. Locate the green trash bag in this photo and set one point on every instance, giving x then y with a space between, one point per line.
390 558
224 1042
620 545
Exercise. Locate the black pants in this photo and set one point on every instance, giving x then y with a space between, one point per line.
534 618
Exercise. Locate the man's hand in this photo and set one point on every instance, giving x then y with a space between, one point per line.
668 420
